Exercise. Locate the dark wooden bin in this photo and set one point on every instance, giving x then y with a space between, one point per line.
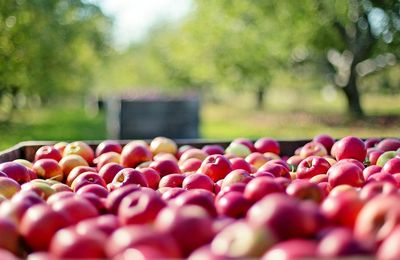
145 119
27 150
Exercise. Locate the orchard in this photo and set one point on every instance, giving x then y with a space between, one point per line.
156 199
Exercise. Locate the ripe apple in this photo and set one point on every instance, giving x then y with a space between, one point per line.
164 156
168 193
216 167
233 204
385 157
236 176
9 238
313 149
108 146
311 166
165 167
264 145
305 190
246 142
15 171
69 162
105 158
67 243
87 178
172 180
115 197
76 171
238 149
140 207
292 249
294 161
106 224
392 166
259 187
96 189
239 187
108 171
129 176
163 145
240 163
213 149
276 169
326 140
152 177
38 225
193 153
48 152
350 147
175 221
8 187
389 249
373 156
256 159
60 146
75 209
190 165
382 177
135 153
183 149
241 240
48 169
371 142
345 173
197 181
41 187
319 178
80 148
202 198
370 170
372 189
389 144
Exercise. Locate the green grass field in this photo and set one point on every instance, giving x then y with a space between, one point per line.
285 116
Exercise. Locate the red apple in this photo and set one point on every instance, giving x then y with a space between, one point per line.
213 149
345 173
198 181
311 166
106 224
392 166
305 190
7 255
389 249
389 144
183 149
264 145
371 142
96 189
105 158
108 146
326 140
370 170
292 249
69 162
80 148
135 153
168 193
376 188
60 146
240 163
87 178
152 177
8 187
165 167
15 171
48 169
232 204
313 149
129 176
246 142
163 145
41 187
256 159
48 152
140 207
175 221
276 169
76 171
294 161
350 147
108 171
39 224
9 238
190 165
259 187
115 197
202 198
382 177
164 156
193 153
172 180
216 167
319 178
75 209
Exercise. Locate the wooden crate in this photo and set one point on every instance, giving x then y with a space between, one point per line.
27 150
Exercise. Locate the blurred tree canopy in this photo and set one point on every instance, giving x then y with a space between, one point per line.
50 48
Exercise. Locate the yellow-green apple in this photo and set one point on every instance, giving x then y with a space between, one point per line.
163 145
174 221
80 148
8 187
295 248
242 240
140 207
48 169
259 187
48 152
135 153
350 147
311 166
233 204
87 178
264 145
216 167
313 149
213 149
326 140
15 171
71 161
237 149
75 209
246 142
172 180
108 146
129 176
152 176
345 173
385 157
389 144
165 167
197 181
374 155
39 224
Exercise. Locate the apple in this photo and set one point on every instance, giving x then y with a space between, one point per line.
96 189
135 153
311 166
87 178
213 149
389 144
174 221
326 140
294 161
48 152
42 188
319 178
67 243
392 166
106 224
140 252
377 219
343 208
105 158
233 204
108 171
259 187
371 142
313 149
15 171
373 156
152 177
240 163
382 177
372 189
305 190
115 197
190 165
239 186
193 153
58 187
345 173
197 181
9 238
385 157
140 207
256 159
39 224
129 176
370 170
69 162
205 252
108 146
389 249
276 169
246 142
165 167
264 145
76 171
75 209
202 198
8 187
240 240
48 169
292 249
350 147
163 145
172 180
142 235
216 167
168 193
183 149
164 156
60 146
238 149
282 215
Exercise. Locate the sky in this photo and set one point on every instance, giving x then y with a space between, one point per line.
133 18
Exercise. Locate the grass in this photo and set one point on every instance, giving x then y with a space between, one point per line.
287 115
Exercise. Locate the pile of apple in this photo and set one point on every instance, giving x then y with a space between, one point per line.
330 199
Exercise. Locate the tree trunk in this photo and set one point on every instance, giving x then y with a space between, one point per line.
260 96
353 96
